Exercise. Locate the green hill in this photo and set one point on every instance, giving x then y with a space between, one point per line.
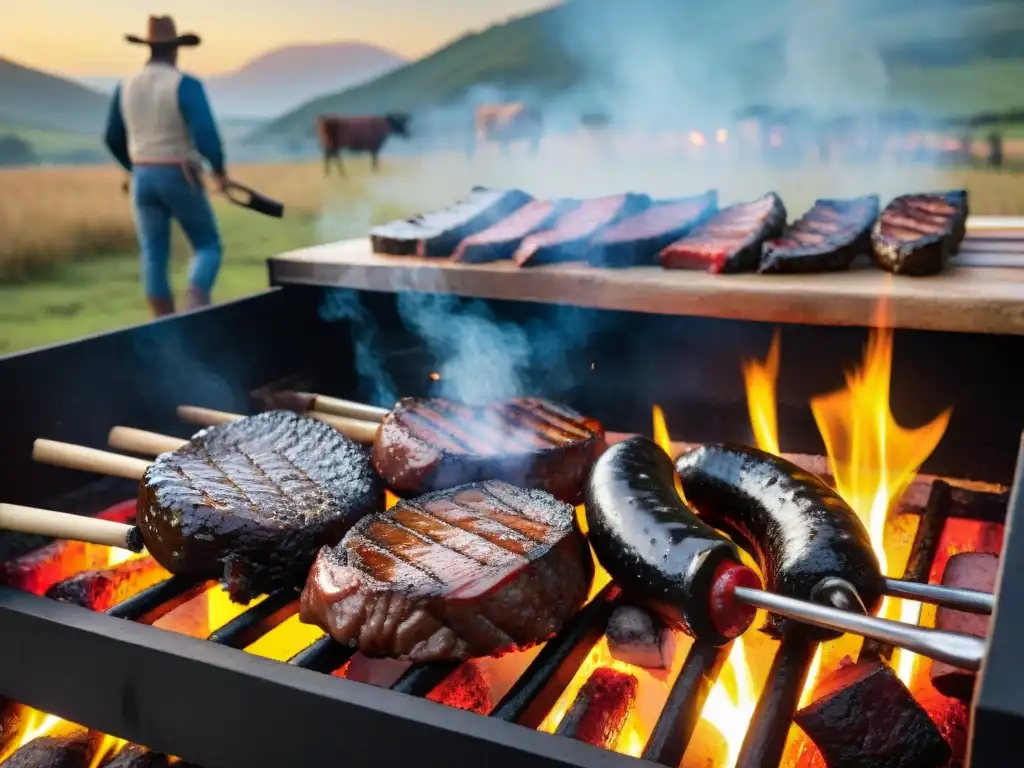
35 100
945 57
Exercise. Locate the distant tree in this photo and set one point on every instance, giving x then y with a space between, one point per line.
16 151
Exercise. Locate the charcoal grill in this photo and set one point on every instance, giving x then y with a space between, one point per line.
214 705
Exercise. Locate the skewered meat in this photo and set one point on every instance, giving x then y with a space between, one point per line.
568 239
439 233
731 240
252 501
968 570
428 445
916 234
635 241
825 239
863 716
477 570
801 532
500 240
658 551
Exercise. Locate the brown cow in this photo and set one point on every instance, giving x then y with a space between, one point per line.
357 134
505 123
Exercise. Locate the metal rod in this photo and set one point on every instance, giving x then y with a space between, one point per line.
325 655
765 740
421 679
678 719
248 627
968 600
160 599
954 648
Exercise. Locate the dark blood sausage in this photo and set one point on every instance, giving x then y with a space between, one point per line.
916 234
568 239
439 233
478 570
658 551
730 241
635 241
825 239
499 241
430 444
252 501
802 534
863 716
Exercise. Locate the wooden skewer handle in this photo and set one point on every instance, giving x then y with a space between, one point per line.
88 459
61 525
205 417
352 410
141 441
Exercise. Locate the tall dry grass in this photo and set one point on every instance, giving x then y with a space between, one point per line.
51 216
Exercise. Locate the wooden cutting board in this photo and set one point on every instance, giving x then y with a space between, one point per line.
981 292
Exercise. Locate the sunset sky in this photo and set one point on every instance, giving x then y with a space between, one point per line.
81 37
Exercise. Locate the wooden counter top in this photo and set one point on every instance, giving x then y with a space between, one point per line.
981 292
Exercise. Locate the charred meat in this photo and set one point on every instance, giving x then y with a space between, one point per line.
729 241
568 239
825 239
433 444
499 241
252 501
636 241
916 234
801 532
478 570
439 233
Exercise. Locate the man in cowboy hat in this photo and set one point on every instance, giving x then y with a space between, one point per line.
159 128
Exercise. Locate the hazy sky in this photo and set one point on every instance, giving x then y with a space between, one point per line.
85 37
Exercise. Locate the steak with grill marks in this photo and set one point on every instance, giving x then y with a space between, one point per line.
916 234
251 502
477 570
439 233
729 241
499 241
430 444
825 239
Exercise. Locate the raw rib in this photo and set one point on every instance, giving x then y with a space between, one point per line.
731 240
478 570
428 445
825 239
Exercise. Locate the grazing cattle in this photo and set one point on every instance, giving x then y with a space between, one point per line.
357 134
506 123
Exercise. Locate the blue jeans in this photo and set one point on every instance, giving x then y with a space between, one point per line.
161 193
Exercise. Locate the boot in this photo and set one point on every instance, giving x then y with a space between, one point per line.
161 307
197 298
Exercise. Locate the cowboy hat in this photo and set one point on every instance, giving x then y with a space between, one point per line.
162 31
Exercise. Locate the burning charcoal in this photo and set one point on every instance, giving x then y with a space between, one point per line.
636 637
73 749
863 716
969 570
101 590
12 719
601 708
134 756
468 688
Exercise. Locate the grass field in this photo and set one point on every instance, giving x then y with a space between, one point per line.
68 264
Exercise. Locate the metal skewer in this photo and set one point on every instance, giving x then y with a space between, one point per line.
953 648
969 600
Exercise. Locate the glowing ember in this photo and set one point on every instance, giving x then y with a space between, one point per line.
872 458
107 750
435 376
36 724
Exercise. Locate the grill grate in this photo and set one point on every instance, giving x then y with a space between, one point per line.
538 688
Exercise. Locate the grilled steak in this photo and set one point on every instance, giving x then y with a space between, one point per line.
568 239
477 570
439 233
252 501
916 234
636 240
825 239
500 240
729 241
429 445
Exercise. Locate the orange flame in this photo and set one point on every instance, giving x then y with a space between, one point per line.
107 750
872 458
760 379
36 725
